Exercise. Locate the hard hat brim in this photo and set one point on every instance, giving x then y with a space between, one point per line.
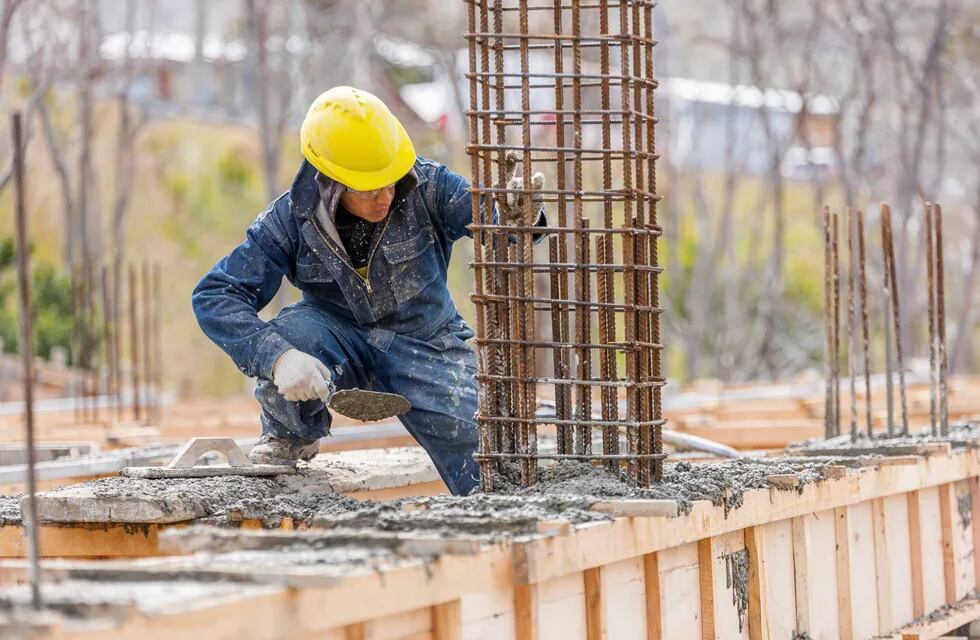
370 180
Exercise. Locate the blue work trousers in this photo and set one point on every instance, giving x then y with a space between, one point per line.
435 375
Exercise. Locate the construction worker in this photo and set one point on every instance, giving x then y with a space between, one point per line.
365 232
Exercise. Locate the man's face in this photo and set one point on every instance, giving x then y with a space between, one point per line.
369 205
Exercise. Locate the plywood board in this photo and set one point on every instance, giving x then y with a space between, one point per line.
488 615
728 623
864 592
561 608
680 592
624 599
411 625
780 588
930 532
899 558
814 548
963 539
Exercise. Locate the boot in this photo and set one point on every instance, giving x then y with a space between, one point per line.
283 451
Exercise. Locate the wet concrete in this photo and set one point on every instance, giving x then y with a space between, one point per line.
368 405
961 435
10 509
222 500
723 483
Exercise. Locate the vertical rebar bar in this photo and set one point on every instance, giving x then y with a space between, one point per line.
27 359
931 313
865 331
835 265
828 298
146 315
134 343
941 323
157 343
107 343
889 251
851 324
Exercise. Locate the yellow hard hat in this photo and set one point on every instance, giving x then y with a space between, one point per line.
351 136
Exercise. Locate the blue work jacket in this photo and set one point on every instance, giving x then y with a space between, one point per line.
405 291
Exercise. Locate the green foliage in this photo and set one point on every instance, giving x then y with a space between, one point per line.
50 305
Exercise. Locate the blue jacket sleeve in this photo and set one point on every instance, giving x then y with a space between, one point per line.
227 300
455 207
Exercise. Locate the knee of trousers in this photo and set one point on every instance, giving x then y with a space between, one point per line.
305 420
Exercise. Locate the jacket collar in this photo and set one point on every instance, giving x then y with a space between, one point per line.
307 190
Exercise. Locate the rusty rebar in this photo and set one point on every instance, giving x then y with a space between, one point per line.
828 297
27 359
851 324
835 269
865 330
931 313
889 252
600 294
157 343
941 323
134 343
146 315
107 336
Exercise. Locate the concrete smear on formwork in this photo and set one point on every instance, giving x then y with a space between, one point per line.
10 509
964 504
737 579
724 484
266 499
802 635
961 435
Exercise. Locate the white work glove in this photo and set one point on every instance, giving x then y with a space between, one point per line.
513 202
300 376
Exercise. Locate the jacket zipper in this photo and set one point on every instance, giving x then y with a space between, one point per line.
366 279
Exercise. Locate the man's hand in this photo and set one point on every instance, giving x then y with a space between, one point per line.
300 376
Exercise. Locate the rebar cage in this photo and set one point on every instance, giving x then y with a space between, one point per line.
565 89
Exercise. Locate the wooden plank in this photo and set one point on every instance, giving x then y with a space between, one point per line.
651 578
415 624
915 553
85 541
707 581
965 612
899 559
636 508
526 611
930 535
561 608
963 539
624 599
946 502
845 621
755 543
595 618
883 565
975 518
447 621
861 551
779 584
814 547
730 586
488 615
680 588
801 573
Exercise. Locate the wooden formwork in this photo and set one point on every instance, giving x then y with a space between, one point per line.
859 555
